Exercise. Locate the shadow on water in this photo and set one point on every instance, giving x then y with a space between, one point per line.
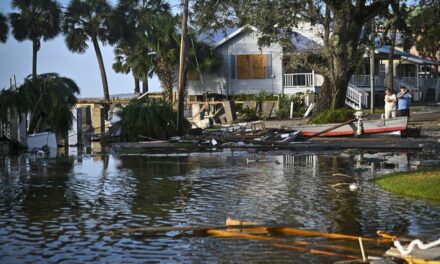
61 210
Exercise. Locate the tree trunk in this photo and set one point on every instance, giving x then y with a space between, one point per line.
390 80
35 48
165 74
136 86
101 68
145 85
181 88
341 52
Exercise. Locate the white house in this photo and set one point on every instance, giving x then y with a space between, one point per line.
248 68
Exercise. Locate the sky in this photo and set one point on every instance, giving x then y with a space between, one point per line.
16 60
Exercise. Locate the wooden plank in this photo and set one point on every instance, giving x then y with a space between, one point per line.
258 66
243 67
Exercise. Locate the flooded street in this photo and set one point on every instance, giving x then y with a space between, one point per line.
64 209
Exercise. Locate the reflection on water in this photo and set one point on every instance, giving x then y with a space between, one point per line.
62 210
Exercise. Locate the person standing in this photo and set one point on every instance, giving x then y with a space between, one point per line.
390 104
404 97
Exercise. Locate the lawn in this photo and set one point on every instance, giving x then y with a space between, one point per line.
424 184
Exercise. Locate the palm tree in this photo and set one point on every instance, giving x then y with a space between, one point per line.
165 43
130 20
4 28
49 99
84 20
37 19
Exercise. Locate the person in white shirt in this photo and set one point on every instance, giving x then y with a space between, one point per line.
390 104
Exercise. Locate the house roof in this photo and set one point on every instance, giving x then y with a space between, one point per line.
385 50
302 38
232 34
213 37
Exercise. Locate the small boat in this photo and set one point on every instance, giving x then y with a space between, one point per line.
373 126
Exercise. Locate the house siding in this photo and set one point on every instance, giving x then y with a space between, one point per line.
224 82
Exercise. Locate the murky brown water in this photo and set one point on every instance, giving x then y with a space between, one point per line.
62 210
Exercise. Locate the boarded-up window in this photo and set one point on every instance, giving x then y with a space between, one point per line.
192 75
251 66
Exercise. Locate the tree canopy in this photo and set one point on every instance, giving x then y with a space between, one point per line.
425 23
36 20
4 28
88 20
48 98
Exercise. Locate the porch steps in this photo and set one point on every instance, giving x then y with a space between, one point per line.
355 97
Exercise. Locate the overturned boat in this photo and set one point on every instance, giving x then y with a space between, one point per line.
354 127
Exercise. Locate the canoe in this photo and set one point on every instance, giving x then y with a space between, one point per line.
374 126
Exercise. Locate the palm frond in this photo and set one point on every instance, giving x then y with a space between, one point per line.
4 28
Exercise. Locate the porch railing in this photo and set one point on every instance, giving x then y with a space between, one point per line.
299 80
364 80
355 97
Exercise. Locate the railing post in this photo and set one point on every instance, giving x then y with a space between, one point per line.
313 78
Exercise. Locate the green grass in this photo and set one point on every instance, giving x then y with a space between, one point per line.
424 184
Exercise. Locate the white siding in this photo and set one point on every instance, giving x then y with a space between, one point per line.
223 83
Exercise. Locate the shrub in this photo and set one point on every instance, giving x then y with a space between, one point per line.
299 106
152 119
333 116
248 114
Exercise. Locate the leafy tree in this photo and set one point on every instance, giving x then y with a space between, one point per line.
425 24
48 98
4 28
36 20
84 20
341 23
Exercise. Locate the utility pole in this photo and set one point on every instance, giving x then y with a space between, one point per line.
181 88
372 67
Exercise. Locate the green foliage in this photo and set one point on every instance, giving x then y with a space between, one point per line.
265 96
8 103
35 21
48 98
299 106
152 119
4 28
333 116
419 184
84 21
248 114
425 24
260 97
134 49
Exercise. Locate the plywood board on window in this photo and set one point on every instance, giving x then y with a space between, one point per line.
258 66
251 66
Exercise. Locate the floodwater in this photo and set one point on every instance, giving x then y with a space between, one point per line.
70 209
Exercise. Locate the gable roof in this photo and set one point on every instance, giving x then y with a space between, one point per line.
385 50
302 39
233 34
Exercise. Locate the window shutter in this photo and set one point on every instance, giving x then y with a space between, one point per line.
268 66
232 68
